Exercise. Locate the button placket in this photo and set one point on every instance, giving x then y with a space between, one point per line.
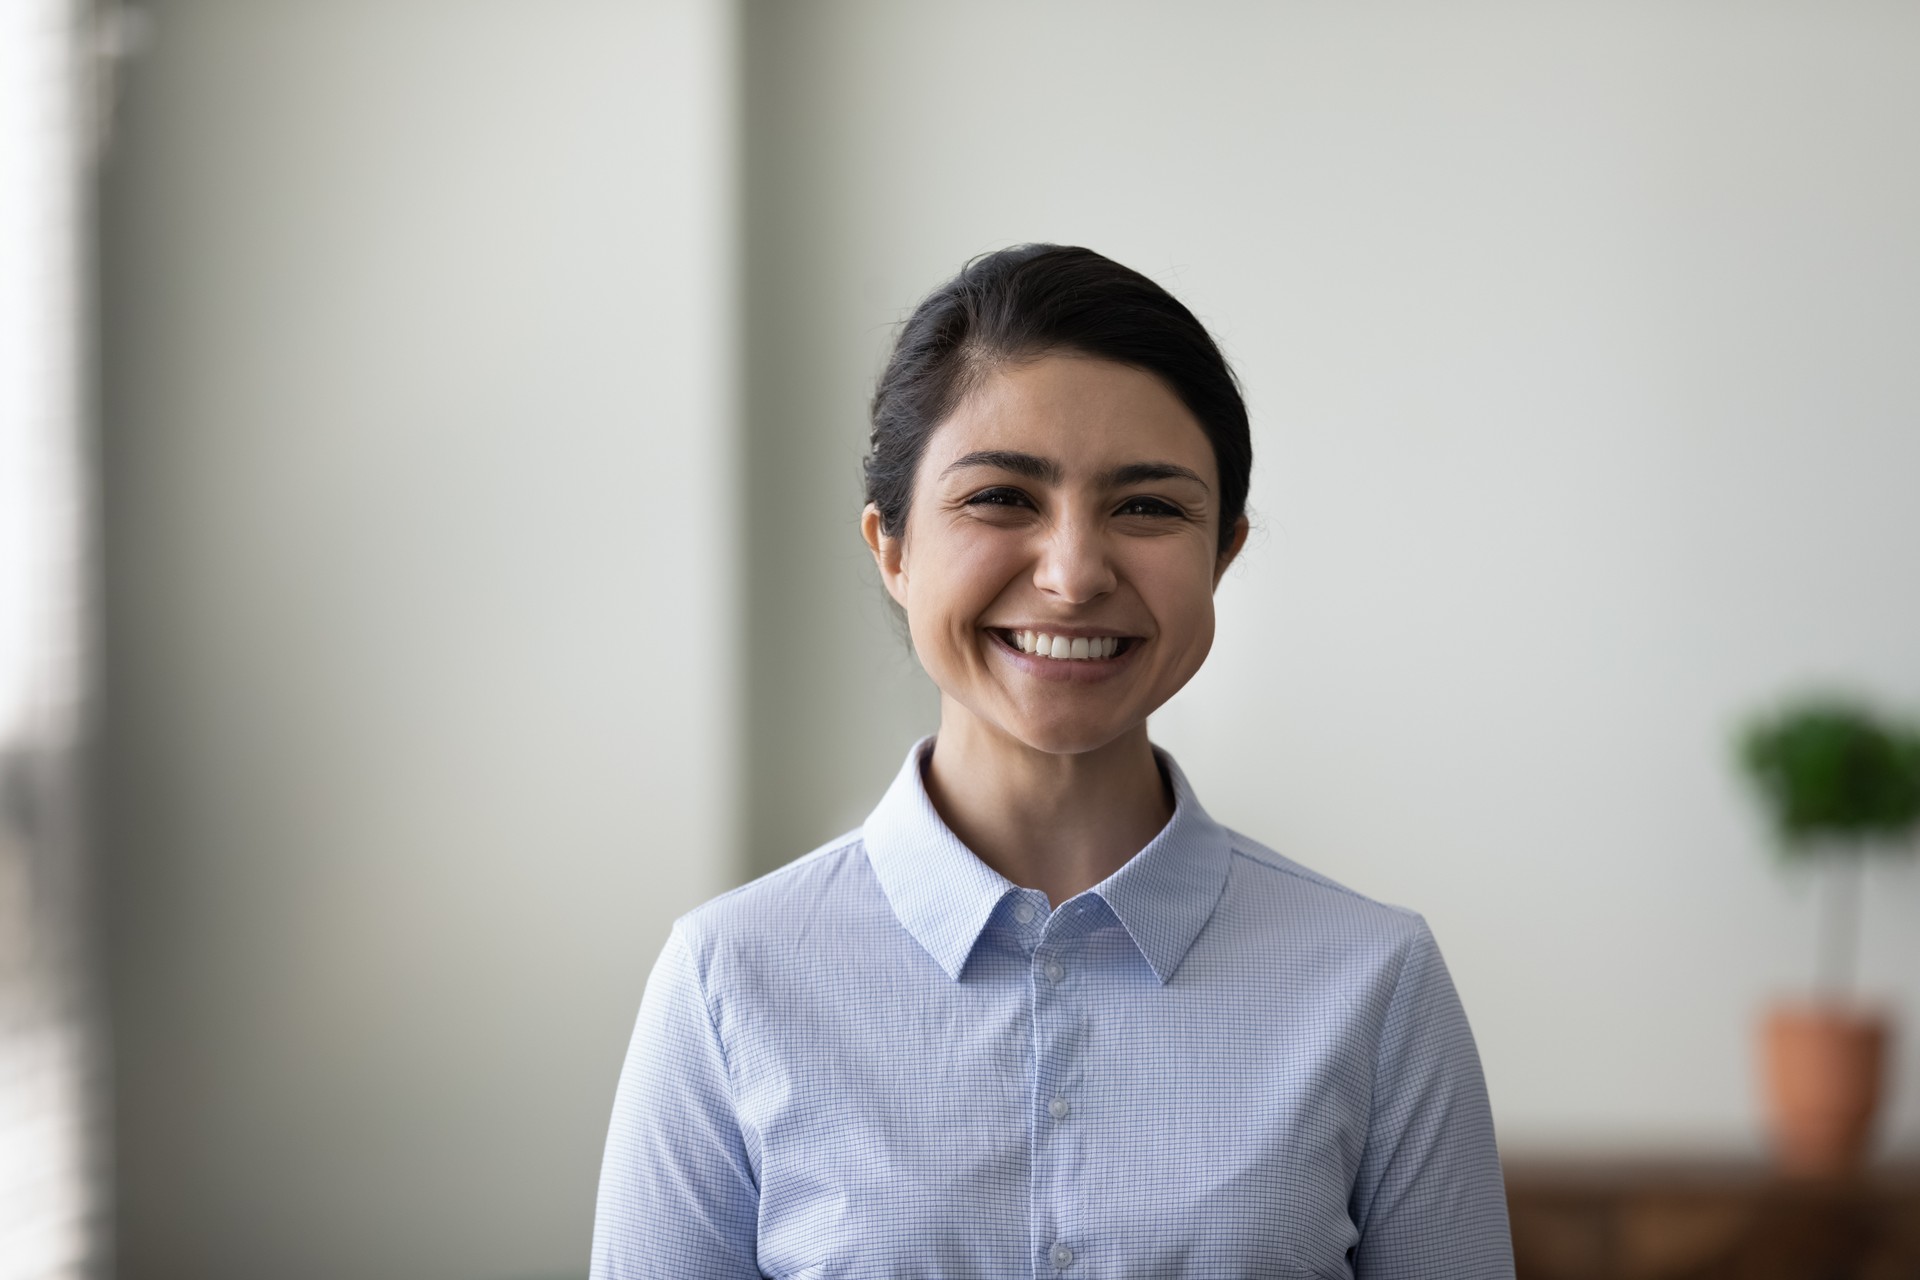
1059 1040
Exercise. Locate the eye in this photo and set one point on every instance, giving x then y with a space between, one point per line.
999 496
1145 506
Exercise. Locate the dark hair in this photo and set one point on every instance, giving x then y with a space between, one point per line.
1028 301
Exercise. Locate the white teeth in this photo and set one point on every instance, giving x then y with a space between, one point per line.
1079 649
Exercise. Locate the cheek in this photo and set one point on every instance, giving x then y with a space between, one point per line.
1179 591
960 572
954 576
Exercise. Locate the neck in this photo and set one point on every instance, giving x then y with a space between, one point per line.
1056 823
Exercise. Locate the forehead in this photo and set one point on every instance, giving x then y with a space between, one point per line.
1087 414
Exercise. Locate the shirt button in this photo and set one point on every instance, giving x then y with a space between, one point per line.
1023 912
1057 1108
1054 972
1062 1257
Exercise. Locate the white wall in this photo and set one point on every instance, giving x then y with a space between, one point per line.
1580 346
418 453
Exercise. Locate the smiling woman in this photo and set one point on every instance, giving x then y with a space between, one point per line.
1069 498
1041 1015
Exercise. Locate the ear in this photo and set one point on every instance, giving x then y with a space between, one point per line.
1239 540
889 554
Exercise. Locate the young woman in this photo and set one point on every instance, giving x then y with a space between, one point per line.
1041 1015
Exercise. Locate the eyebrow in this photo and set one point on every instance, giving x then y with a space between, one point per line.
1138 472
1030 465
1047 471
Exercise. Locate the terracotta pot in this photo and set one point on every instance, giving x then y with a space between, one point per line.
1824 1065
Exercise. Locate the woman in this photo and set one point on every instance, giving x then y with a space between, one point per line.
1041 1015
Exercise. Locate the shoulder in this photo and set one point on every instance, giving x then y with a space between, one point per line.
814 902
1312 932
1304 901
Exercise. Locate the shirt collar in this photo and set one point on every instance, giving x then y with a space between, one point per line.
943 895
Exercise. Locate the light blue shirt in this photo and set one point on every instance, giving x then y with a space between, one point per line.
886 1060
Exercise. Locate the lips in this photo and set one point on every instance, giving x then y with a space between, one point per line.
1064 648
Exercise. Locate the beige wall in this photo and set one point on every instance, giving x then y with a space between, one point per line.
1579 342
420 608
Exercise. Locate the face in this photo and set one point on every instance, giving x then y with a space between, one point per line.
1070 499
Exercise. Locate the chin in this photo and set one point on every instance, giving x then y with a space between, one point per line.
1066 737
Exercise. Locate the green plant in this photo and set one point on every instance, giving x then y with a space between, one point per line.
1838 781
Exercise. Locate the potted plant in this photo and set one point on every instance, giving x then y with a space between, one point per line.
1839 783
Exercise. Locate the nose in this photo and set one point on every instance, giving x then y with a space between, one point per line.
1074 566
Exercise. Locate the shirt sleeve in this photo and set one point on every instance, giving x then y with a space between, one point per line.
1429 1199
677 1192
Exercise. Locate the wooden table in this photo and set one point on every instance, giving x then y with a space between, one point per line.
1705 1220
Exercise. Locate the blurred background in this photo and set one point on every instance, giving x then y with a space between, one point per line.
431 482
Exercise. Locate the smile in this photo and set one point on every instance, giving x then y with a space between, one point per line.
1066 648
